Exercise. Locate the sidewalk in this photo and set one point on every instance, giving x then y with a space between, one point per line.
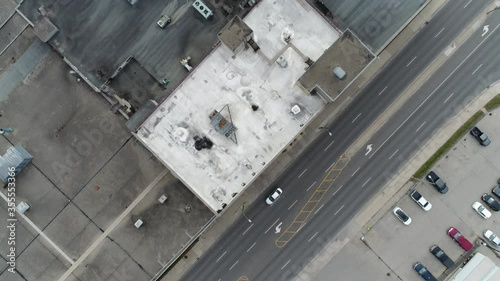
298 145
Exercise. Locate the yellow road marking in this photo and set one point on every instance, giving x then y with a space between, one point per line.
312 203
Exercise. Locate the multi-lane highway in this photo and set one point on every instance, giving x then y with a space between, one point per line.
254 249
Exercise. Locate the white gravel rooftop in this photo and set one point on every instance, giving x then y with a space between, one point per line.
241 81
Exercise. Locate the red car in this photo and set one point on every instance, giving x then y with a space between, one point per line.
457 236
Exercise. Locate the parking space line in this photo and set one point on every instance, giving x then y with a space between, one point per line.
319 209
338 210
234 264
251 246
439 33
221 257
394 154
448 98
329 146
292 205
302 173
382 91
248 229
311 186
355 172
356 118
272 226
366 182
420 127
312 237
286 264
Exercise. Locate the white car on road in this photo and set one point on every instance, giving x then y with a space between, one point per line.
481 210
274 196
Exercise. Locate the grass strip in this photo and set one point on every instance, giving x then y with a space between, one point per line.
493 103
448 144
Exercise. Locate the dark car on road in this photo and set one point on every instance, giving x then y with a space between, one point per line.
491 202
481 137
442 256
460 239
423 272
438 183
496 191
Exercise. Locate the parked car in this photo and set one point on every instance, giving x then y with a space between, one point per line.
496 191
491 202
460 239
492 237
481 210
421 201
481 137
274 196
423 272
402 216
442 256
438 183
164 20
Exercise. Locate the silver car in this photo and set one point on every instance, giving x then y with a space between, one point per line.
492 237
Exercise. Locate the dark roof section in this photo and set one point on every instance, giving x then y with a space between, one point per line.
235 34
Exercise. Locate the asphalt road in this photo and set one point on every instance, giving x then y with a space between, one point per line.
249 249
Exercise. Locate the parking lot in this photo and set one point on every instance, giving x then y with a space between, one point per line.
469 170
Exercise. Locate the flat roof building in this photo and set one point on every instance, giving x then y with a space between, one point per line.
235 113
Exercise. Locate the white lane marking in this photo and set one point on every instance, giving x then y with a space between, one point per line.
448 98
394 154
338 210
366 182
337 190
420 127
251 246
330 167
221 257
434 91
292 205
467 4
311 186
411 61
319 208
356 118
477 69
439 33
355 172
271 226
302 173
312 237
234 264
286 264
382 91
329 146
248 229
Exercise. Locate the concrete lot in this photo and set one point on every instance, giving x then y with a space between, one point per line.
87 170
469 170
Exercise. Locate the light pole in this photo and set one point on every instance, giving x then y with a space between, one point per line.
243 214
328 130
495 9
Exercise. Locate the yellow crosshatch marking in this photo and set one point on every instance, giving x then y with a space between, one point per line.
312 203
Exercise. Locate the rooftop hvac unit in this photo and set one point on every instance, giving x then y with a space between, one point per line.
202 8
